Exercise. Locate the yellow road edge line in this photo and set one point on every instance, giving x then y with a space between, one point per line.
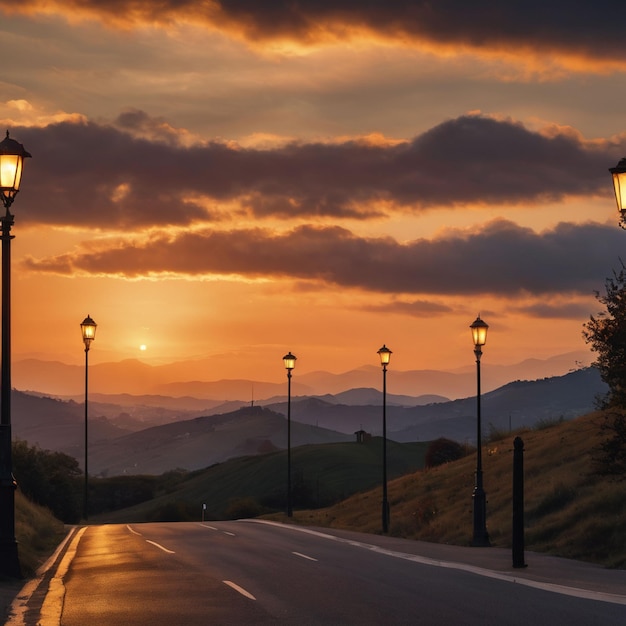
52 607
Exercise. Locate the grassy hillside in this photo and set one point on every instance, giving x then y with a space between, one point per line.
37 532
570 511
322 474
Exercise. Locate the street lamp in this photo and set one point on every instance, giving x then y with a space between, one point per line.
619 183
385 354
12 155
88 330
480 536
290 362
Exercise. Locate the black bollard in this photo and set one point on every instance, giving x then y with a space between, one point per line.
518 503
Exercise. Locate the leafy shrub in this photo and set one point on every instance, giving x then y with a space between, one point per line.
118 492
442 451
51 479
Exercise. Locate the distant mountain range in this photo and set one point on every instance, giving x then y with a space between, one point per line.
172 380
517 404
142 438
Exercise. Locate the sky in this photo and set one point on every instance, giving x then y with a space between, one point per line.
234 180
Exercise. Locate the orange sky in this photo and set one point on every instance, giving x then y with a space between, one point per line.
238 180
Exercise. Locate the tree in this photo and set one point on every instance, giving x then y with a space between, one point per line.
610 456
606 333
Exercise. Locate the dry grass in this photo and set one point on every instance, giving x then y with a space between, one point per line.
569 511
38 533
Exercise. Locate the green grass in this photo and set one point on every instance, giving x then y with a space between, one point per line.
328 473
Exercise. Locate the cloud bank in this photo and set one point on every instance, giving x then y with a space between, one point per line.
110 177
500 259
164 207
592 30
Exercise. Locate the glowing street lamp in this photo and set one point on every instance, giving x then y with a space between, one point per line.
480 536
88 330
12 155
619 185
385 355
290 362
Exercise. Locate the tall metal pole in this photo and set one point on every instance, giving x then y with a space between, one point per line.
9 560
385 511
88 331
480 536
290 362
12 155
86 495
289 503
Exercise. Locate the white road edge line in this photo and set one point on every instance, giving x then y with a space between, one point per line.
160 547
241 590
304 556
576 592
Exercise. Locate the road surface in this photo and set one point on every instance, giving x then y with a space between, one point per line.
248 572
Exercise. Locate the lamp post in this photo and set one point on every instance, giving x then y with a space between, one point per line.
12 155
385 354
290 362
480 536
619 184
88 330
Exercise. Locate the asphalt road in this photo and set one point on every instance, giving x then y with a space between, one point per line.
254 573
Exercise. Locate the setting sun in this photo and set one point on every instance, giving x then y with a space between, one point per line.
315 193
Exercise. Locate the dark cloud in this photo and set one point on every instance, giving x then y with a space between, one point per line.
550 310
415 308
501 259
593 29
100 176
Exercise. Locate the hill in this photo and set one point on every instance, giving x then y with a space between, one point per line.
203 441
37 532
322 474
55 424
517 404
122 439
569 510
197 443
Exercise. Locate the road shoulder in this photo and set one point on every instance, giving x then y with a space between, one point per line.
19 597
